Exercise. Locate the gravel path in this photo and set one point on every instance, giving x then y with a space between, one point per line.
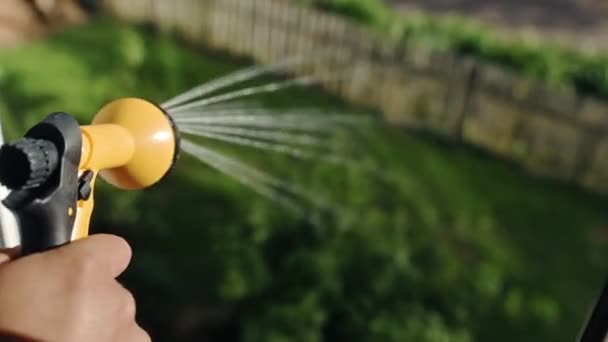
580 24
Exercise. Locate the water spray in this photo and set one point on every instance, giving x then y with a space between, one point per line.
134 143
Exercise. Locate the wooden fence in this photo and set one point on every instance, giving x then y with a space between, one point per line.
553 132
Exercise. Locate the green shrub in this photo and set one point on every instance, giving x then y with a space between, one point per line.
556 65
370 11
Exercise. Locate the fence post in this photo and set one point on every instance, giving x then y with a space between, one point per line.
212 26
241 24
595 177
292 17
223 24
257 31
283 22
267 51
593 171
191 21
300 36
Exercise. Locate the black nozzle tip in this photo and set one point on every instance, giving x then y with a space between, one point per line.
176 136
14 167
27 163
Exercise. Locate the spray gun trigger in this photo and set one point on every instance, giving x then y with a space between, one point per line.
84 185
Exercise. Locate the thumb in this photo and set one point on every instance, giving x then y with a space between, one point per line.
9 254
107 252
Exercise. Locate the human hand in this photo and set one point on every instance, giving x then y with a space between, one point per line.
69 294
7 254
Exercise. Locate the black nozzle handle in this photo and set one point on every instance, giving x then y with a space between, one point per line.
596 327
43 226
41 169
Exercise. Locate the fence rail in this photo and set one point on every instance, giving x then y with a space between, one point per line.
553 132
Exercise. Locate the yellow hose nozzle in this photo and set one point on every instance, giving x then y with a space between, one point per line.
131 143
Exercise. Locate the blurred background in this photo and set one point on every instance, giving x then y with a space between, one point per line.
489 222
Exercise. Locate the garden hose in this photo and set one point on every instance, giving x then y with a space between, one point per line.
51 172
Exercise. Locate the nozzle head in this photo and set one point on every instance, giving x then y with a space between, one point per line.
155 139
27 163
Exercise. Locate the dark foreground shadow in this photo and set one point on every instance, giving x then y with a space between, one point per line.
6 337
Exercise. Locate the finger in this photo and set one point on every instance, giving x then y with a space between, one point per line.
104 252
126 305
135 334
8 254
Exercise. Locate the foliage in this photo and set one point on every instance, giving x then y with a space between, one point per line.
438 244
373 12
588 73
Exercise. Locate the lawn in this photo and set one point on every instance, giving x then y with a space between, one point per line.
446 243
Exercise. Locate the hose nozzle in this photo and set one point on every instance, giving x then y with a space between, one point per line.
132 142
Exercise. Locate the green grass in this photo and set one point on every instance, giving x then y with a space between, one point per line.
447 243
